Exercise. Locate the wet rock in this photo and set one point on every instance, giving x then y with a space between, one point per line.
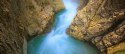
24 19
100 22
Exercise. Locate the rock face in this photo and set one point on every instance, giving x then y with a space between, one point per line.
23 19
101 22
117 49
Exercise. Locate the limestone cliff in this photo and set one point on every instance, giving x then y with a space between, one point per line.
100 22
23 19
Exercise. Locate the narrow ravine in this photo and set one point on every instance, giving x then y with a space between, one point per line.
58 41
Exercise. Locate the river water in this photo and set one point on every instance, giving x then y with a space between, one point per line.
58 41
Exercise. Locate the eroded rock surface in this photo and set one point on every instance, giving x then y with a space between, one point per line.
100 22
24 19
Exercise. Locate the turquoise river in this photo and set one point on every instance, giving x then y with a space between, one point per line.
57 41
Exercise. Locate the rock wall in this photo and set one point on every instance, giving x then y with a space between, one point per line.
100 22
24 19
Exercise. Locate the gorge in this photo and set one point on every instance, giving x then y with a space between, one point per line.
30 26
58 41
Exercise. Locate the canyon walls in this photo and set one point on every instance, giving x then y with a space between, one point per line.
101 22
24 19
